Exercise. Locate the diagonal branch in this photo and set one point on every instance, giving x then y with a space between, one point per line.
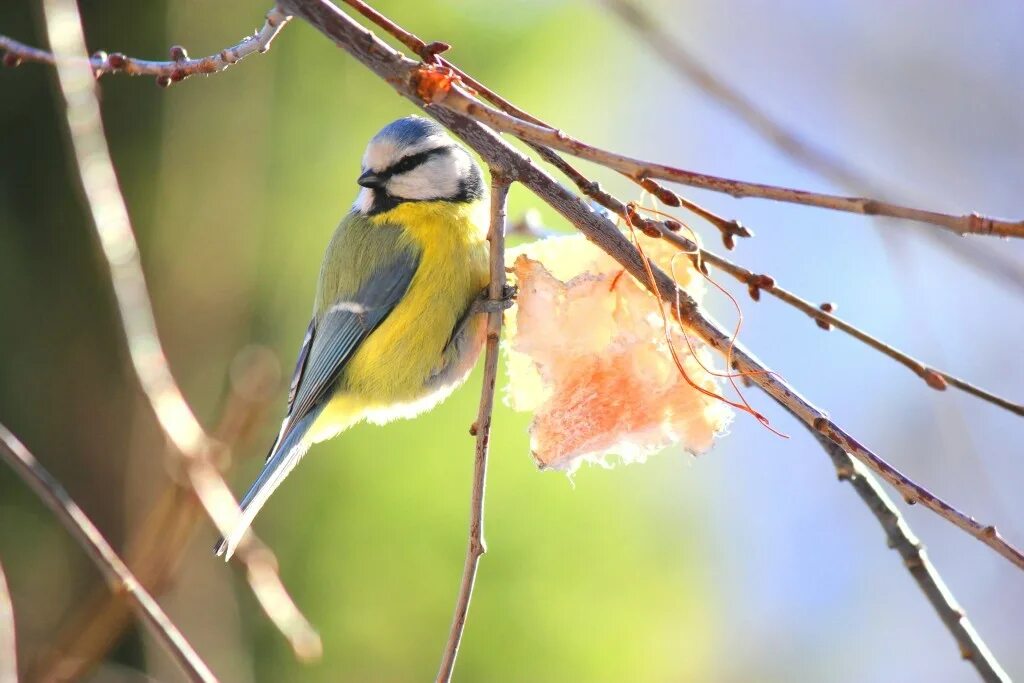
916 560
177 69
500 182
115 571
117 241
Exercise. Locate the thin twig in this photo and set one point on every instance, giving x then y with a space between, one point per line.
117 574
457 99
407 78
991 262
117 240
177 69
8 642
500 182
933 377
916 560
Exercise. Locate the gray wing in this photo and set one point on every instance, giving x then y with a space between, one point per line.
330 342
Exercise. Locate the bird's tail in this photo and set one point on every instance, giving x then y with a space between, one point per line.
285 454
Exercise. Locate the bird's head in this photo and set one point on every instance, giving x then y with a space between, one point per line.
414 160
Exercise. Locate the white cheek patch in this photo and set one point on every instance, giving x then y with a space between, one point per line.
364 200
436 178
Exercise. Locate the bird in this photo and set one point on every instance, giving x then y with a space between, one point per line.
397 319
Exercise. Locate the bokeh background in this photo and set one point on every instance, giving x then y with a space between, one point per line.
749 563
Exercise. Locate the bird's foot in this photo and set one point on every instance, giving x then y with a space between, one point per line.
483 304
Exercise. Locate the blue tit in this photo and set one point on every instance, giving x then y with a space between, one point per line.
397 324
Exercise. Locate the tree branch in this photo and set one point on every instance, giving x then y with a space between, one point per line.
501 179
457 99
177 69
118 575
117 241
403 75
155 547
817 159
755 282
903 540
8 642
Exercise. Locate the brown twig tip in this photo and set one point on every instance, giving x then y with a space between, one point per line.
430 51
758 282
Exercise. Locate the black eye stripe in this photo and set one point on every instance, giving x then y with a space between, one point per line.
410 162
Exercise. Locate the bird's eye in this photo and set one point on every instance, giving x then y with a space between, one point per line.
413 160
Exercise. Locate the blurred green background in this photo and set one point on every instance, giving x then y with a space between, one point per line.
750 563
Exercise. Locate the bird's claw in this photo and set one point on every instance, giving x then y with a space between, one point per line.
483 304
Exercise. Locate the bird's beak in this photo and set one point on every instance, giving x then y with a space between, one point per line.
371 180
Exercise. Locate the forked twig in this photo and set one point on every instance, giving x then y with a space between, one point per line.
177 69
118 575
117 240
500 182
457 99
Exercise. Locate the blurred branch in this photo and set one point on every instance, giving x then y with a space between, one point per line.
8 642
118 576
990 262
156 546
117 240
501 179
177 69
903 540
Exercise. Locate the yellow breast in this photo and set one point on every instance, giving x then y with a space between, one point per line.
394 363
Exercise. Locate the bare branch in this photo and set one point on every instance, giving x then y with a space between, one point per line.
117 240
903 540
407 76
500 182
822 314
457 99
156 546
688 66
8 642
118 576
177 69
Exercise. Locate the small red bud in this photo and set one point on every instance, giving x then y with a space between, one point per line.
754 291
828 307
178 53
934 380
163 81
117 60
728 240
178 75
11 60
673 225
